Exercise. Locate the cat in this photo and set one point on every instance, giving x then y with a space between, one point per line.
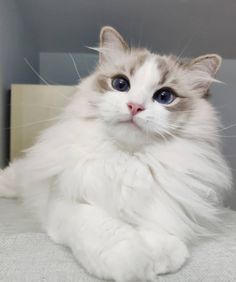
131 175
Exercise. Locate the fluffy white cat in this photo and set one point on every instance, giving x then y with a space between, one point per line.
132 173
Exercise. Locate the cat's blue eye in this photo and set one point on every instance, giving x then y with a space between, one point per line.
164 96
120 83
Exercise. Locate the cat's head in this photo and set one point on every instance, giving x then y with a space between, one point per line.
144 96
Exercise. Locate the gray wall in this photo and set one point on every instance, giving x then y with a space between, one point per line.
198 26
16 42
58 68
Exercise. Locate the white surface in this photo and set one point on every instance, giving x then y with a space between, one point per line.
28 255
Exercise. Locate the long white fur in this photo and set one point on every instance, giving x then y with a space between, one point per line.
126 203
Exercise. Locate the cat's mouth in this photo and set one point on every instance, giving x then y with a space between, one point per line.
131 122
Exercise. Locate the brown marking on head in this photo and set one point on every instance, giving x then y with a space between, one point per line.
140 57
166 64
181 105
177 73
180 113
102 84
127 65
174 81
163 69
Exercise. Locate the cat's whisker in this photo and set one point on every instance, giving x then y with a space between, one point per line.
227 127
42 78
174 127
35 72
226 136
75 66
189 111
32 123
199 111
192 124
162 136
209 130
185 48
175 64
39 106
169 133
147 136
147 120
222 106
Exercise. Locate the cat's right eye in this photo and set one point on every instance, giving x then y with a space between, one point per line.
164 96
120 83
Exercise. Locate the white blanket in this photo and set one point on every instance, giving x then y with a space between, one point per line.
28 255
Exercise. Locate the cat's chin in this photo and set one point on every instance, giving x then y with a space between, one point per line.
130 125
128 135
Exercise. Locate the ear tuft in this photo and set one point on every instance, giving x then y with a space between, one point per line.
111 42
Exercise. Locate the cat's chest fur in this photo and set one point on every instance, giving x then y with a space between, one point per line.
150 184
118 182
123 183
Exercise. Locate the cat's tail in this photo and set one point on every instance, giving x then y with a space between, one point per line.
8 183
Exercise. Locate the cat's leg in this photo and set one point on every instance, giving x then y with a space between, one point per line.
170 252
106 247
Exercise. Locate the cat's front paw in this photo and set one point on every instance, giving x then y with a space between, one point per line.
169 252
131 262
173 257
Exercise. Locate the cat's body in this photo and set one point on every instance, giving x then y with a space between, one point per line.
127 183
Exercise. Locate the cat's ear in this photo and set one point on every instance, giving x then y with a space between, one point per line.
207 63
111 44
204 69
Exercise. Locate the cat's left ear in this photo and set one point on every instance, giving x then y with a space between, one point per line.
112 44
204 69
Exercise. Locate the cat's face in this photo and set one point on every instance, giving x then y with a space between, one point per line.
144 96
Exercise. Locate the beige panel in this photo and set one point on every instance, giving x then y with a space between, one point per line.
34 108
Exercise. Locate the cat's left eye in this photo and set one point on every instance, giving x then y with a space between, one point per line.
164 96
121 83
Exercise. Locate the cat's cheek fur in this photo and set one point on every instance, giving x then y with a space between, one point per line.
155 120
113 107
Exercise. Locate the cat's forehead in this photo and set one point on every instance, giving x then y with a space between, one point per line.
152 67
143 68
148 72
140 61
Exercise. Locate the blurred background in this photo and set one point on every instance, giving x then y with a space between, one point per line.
42 35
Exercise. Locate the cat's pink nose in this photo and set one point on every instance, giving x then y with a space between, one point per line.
135 108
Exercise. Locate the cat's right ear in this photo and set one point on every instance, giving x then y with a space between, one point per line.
112 44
